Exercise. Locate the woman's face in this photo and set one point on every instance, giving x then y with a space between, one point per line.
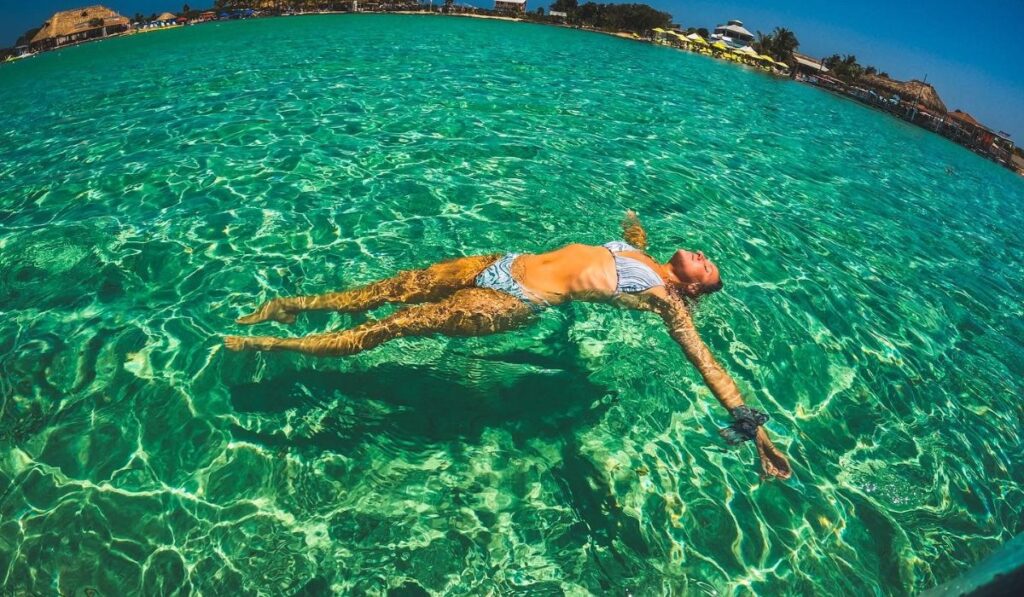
694 269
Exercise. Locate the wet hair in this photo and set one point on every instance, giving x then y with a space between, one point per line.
710 288
694 301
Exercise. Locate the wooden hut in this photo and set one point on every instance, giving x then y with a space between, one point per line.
965 119
908 91
80 24
966 130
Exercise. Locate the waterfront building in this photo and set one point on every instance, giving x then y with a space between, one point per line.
805 65
963 128
916 102
79 24
732 34
512 7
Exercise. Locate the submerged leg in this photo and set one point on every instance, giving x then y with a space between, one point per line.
468 312
414 286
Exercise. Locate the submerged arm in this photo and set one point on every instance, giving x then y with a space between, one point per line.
680 326
633 232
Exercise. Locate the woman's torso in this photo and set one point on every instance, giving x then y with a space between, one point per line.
574 272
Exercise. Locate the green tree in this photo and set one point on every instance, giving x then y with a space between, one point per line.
620 17
780 44
763 43
566 6
845 67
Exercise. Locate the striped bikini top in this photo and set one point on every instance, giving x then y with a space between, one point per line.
633 276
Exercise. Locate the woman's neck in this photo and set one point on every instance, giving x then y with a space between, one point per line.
665 271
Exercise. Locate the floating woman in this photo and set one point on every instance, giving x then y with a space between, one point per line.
475 296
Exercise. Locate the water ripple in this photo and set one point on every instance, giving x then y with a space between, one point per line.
872 305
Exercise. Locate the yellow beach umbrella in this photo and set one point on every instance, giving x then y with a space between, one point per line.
700 41
718 45
659 30
681 38
765 58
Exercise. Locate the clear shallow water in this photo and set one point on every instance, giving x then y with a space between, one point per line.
154 188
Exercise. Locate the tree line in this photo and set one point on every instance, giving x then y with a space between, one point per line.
848 69
780 44
619 17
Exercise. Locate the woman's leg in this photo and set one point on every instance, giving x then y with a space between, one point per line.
414 286
468 312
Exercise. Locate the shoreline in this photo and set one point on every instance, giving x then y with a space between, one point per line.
625 35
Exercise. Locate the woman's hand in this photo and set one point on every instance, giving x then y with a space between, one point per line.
633 232
773 462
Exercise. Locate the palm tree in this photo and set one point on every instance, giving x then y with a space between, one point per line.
784 43
845 68
763 45
779 44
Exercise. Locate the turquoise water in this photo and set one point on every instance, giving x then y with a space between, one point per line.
154 188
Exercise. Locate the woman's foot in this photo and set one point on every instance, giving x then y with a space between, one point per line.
269 310
239 343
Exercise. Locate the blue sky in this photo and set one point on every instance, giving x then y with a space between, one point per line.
972 51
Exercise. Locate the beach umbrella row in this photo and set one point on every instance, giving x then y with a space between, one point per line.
734 54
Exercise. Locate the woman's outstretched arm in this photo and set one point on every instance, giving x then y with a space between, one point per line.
633 232
680 327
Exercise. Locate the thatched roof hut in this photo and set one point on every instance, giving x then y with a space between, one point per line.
907 90
74 25
965 118
166 17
